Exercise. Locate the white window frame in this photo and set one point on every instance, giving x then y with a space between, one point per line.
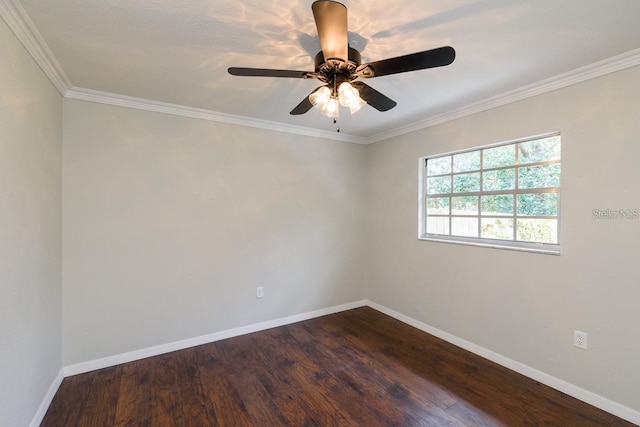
544 248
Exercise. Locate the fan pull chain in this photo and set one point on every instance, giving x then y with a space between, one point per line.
335 122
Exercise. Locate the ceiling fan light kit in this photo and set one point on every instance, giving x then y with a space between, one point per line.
338 66
325 100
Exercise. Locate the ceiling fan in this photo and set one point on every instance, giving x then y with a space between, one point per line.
338 66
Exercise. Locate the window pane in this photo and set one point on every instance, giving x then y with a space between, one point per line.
439 166
439 185
466 183
537 230
438 225
466 227
539 204
539 150
438 205
466 162
497 228
508 192
503 179
501 204
466 205
539 176
498 157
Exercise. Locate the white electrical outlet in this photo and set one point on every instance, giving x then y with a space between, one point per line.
259 292
580 339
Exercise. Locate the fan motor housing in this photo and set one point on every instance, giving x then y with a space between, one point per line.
333 65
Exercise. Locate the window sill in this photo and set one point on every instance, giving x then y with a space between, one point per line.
545 251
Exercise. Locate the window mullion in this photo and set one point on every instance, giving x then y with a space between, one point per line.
515 196
479 234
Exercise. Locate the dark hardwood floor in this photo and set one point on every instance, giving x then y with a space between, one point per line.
355 368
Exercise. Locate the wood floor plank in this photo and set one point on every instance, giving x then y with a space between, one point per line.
300 379
339 386
245 377
395 369
284 390
407 396
165 393
354 368
101 403
493 389
134 404
462 375
194 402
66 406
224 401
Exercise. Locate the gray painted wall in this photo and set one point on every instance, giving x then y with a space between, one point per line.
171 223
523 305
30 232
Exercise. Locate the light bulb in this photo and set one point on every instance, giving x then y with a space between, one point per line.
320 97
345 94
331 108
349 97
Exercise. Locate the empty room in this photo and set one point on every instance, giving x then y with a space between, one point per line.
319 213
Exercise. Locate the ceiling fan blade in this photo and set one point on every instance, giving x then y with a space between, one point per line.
304 106
331 22
374 98
267 72
412 62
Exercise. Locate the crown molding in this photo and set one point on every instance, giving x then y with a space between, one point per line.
597 69
18 20
199 113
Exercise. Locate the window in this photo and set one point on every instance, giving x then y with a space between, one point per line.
505 195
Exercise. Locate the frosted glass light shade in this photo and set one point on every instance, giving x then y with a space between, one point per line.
320 97
349 97
323 100
331 108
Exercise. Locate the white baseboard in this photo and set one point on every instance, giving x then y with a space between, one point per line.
117 359
596 400
46 401
593 399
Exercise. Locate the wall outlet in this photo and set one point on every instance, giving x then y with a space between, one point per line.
259 292
580 339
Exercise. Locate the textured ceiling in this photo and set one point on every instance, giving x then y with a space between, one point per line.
178 51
